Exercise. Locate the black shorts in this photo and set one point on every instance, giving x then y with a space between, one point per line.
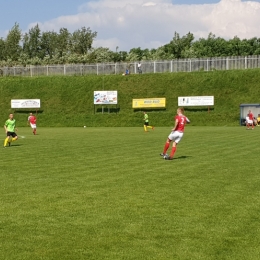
13 134
146 123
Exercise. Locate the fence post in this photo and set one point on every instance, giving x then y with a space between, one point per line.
190 65
47 70
64 69
154 67
245 62
115 68
97 68
31 70
14 70
227 65
207 64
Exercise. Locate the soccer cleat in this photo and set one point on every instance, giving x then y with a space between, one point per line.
167 158
163 154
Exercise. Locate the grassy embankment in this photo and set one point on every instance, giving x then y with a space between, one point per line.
68 101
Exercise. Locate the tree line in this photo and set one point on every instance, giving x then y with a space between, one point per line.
42 48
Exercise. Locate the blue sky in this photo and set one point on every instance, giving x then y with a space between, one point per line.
135 23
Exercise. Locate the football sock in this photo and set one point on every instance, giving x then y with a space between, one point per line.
13 139
145 128
173 152
6 141
166 146
149 126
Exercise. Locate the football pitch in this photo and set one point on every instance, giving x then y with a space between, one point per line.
105 193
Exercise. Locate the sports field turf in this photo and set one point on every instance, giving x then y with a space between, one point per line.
105 193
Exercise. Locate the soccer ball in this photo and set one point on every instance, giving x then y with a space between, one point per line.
84 126
165 156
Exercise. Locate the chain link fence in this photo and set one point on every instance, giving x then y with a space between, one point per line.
181 65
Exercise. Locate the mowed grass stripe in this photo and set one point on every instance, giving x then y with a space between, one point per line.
105 193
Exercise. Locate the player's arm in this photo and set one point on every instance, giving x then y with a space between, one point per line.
5 128
175 126
187 120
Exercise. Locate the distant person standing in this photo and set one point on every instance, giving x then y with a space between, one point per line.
10 128
176 134
250 120
32 121
139 67
146 122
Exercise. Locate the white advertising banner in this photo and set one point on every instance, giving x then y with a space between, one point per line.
105 97
25 103
196 101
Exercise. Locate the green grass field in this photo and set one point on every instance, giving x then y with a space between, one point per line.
105 193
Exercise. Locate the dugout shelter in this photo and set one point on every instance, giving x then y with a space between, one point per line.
244 108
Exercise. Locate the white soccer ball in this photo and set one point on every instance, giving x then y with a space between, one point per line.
84 126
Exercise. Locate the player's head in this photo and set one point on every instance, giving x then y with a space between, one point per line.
30 114
179 110
11 116
249 111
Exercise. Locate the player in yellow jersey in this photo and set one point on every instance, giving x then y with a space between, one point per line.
10 128
146 122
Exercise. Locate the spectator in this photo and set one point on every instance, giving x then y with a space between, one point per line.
139 68
127 72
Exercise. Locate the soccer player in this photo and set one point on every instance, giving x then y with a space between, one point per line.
146 122
32 122
250 120
10 128
176 134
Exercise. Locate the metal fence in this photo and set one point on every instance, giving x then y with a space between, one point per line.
171 66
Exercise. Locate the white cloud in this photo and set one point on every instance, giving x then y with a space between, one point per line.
150 24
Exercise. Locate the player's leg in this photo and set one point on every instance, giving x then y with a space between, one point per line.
177 138
6 139
34 129
145 126
174 148
14 137
167 145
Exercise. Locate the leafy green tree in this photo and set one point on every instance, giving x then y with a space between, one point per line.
32 42
178 45
12 43
81 40
2 49
212 46
63 41
48 44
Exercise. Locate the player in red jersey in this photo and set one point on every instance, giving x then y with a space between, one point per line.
32 121
250 120
176 134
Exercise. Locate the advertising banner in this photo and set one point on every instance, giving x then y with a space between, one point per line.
25 103
105 97
149 102
196 101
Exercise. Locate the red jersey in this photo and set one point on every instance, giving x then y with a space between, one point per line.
32 119
182 120
251 116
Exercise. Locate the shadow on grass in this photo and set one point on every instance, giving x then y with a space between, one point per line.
182 157
28 111
14 145
199 109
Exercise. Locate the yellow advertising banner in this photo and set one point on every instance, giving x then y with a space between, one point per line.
148 102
